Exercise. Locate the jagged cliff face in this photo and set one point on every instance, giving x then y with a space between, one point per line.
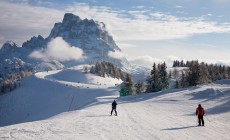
86 34
35 43
89 35
10 50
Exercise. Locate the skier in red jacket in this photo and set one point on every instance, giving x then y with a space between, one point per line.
200 113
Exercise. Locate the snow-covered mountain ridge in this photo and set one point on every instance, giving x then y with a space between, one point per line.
89 35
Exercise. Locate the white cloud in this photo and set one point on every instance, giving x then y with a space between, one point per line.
19 1
139 14
37 2
19 22
60 50
169 60
163 17
223 62
43 3
179 6
221 1
218 62
1 41
126 45
152 26
172 58
146 61
138 7
116 54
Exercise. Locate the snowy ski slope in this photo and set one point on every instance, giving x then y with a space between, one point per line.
39 110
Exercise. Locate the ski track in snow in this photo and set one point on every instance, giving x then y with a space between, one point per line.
167 115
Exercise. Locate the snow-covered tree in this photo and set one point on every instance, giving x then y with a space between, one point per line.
158 79
153 80
204 76
85 69
170 74
127 87
175 73
163 77
140 87
105 68
177 85
193 74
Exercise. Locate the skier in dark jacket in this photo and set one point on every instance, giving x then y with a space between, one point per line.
114 105
200 113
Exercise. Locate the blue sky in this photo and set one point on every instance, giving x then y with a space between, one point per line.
146 30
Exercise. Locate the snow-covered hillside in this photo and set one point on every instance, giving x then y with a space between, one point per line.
39 110
48 93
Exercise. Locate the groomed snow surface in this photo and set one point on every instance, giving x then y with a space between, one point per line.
41 109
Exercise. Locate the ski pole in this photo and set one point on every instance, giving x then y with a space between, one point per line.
207 118
72 97
74 104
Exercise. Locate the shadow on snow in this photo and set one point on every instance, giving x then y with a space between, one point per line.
178 128
221 97
26 105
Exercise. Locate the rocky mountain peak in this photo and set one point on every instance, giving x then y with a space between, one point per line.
9 50
35 42
10 44
87 34
8 47
70 18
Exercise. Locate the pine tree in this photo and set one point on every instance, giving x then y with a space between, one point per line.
158 79
121 74
193 74
201 73
128 86
183 81
228 73
92 70
182 63
164 77
85 69
177 84
204 76
174 64
175 73
170 74
153 80
140 87
103 68
211 72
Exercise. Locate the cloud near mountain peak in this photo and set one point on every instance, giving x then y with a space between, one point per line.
58 49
